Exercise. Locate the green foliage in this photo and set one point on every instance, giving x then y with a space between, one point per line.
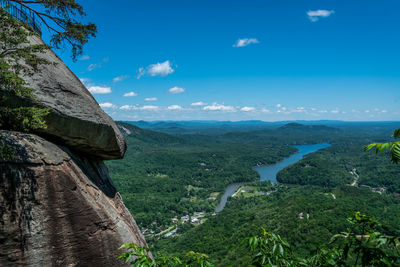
15 48
140 257
6 152
59 17
364 245
24 119
164 176
331 167
392 147
270 250
220 236
361 245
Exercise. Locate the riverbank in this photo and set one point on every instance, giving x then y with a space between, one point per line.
269 172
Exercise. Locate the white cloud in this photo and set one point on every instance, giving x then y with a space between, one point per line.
141 72
128 107
149 108
84 57
101 90
219 107
120 78
384 111
174 107
335 111
299 110
367 111
158 69
265 110
162 69
200 103
247 109
107 105
151 99
176 90
283 108
315 15
94 66
278 105
245 42
130 94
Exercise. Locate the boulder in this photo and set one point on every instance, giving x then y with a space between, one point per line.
76 120
58 208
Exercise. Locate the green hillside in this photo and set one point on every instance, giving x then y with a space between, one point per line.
165 176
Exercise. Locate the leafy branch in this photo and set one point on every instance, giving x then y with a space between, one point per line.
59 18
392 147
361 245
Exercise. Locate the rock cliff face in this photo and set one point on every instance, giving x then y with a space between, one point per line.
76 120
58 204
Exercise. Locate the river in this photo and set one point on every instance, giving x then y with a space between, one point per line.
269 172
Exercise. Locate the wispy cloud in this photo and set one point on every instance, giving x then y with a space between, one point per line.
145 108
120 78
149 108
246 109
126 107
245 42
101 90
158 69
141 72
315 15
151 99
84 57
219 107
94 66
200 103
108 105
130 94
174 107
176 90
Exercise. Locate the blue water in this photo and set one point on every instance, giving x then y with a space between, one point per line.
229 191
268 173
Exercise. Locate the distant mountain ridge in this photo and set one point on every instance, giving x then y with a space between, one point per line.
179 127
298 126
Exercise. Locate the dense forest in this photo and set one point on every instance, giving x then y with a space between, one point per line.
166 176
182 174
221 236
332 166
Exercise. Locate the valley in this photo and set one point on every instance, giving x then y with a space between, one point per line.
173 184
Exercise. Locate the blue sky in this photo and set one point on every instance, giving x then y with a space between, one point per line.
242 60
